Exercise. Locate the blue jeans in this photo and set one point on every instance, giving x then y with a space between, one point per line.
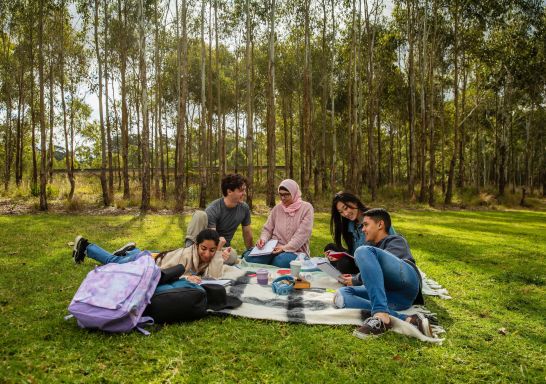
390 284
281 260
104 257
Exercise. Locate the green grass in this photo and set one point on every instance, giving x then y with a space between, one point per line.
493 264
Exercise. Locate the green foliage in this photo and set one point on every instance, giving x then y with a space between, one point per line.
52 191
492 263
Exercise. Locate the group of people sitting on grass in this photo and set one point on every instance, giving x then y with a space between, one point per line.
379 276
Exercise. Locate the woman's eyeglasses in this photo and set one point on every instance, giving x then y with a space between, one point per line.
283 195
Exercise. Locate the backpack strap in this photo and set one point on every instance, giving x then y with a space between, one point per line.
144 321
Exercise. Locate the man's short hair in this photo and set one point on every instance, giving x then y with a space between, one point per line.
378 214
207 234
232 182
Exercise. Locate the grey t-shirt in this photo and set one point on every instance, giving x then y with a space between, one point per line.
226 220
396 245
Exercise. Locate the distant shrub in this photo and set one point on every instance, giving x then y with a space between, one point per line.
74 205
120 204
35 190
52 191
134 201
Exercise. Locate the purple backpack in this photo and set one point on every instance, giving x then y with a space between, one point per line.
113 296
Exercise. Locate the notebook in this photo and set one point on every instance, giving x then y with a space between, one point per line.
266 250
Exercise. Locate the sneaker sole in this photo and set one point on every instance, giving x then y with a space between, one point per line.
424 327
126 248
77 241
427 330
75 248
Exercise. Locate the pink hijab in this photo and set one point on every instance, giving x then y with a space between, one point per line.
295 192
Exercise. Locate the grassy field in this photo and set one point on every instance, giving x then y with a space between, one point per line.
493 263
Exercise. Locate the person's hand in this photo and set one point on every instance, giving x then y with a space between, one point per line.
225 253
194 279
346 279
260 244
327 254
222 242
278 249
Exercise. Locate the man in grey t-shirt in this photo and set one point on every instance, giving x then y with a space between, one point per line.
224 215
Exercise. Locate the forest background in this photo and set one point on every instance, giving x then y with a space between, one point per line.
426 101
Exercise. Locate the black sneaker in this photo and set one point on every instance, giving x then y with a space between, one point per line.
80 245
123 250
421 322
373 326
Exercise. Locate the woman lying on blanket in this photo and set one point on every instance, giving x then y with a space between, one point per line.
389 280
347 221
290 222
200 259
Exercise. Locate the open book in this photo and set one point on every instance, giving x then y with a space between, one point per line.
329 269
339 255
266 250
216 282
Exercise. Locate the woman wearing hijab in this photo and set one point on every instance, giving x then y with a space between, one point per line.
290 222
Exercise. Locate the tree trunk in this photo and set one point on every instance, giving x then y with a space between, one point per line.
124 113
211 140
271 147
107 105
50 149
145 202
411 102
462 138
20 124
104 186
353 151
391 156
160 142
432 98
71 165
43 169
332 101
307 106
286 138
68 152
321 175
236 153
8 142
117 133
249 111
449 188
291 157
371 104
424 117
219 113
202 118
182 82
34 180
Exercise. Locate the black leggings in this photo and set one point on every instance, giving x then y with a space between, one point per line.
345 264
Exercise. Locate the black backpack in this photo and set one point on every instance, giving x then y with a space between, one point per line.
176 300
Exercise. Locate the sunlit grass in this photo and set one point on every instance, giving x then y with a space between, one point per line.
492 263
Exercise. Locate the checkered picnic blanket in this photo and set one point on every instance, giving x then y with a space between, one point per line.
314 305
